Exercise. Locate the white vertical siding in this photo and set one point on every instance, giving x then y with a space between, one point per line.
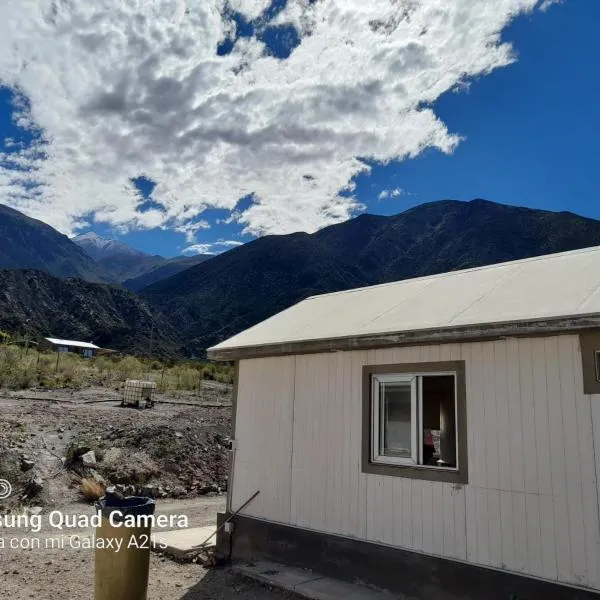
531 504
265 411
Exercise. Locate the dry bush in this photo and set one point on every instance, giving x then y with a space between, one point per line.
22 368
185 378
91 490
129 368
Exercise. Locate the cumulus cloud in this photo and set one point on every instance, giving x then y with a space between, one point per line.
395 193
118 89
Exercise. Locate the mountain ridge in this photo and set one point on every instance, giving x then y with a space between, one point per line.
239 288
129 266
30 243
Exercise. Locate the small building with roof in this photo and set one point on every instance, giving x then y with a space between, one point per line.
85 349
437 437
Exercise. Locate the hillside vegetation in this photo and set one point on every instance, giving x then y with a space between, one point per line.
23 367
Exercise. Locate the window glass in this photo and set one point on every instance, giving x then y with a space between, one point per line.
414 420
396 419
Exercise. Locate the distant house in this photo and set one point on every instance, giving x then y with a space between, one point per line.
85 349
437 437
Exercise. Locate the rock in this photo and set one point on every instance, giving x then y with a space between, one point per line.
27 464
61 430
88 459
178 491
149 490
126 490
178 434
35 510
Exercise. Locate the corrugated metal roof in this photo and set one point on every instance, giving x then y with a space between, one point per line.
58 342
546 287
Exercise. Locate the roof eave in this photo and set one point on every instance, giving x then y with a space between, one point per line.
446 335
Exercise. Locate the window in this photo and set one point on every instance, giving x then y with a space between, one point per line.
414 421
590 360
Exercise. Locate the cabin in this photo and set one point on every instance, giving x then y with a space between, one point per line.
436 437
85 349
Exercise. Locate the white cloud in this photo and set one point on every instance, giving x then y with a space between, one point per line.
199 249
214 248
250 8
229 243
546 4
395 193
118 89
191 228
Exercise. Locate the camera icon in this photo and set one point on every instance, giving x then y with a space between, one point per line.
5 489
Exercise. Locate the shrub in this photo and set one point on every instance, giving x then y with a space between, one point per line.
129 368
91 490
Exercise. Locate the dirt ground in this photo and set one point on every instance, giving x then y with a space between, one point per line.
43 572
176 450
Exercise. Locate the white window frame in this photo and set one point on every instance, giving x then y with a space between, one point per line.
416 382
377 404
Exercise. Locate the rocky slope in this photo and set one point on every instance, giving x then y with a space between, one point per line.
36 303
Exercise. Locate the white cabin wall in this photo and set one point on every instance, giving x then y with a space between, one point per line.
531 504
264 437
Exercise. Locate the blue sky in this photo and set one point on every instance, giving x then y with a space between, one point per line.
529 130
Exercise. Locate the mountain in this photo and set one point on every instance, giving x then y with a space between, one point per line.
26 243
133 268
98 247
163 271
117 258
36 303
239 288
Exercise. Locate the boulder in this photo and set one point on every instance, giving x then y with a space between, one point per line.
89 459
